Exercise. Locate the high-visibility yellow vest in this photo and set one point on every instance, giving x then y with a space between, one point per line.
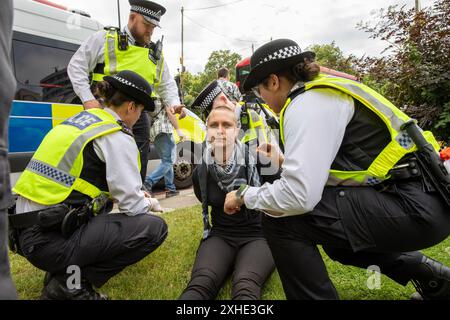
256 128
134 58
400 143
54 171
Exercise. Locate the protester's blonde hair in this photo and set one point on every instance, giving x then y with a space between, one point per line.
222 107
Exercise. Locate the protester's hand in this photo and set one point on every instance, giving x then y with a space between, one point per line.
232 203
270 151
91 104
181 110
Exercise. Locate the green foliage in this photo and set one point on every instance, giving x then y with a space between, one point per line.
415 74
194 84
165 272
220 59
331 56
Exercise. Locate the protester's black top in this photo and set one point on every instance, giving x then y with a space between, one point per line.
244 223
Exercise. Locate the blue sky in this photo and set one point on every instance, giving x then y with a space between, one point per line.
236 25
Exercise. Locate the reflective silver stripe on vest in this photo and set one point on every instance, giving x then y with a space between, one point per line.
49 172
75 149
112 55
254 115
395 121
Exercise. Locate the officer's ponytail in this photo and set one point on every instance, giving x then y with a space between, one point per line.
110 95
306 70
105 90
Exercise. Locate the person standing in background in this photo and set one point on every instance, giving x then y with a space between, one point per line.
231 89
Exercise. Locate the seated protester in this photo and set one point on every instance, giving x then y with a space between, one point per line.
86 157
254 131
234 244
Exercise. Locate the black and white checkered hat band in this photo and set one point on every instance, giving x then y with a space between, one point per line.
283 53
210 98
128 83
147 12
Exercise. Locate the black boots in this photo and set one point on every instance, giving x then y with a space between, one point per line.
55 288
435 282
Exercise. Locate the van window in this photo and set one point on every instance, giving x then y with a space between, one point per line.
41 72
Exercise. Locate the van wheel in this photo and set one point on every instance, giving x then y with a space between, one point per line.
185 164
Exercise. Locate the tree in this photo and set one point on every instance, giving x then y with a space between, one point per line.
415 73
220 59
194 84
331 56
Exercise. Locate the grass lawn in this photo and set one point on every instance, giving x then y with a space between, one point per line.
164 274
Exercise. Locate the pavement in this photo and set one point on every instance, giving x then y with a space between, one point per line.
185 199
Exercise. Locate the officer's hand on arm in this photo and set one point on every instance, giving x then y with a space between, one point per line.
232 203
91 104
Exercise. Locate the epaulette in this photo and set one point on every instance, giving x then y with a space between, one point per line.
125 128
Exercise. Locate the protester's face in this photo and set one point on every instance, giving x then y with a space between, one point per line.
141 29
221 128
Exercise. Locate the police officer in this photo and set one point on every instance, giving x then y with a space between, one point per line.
83 160
109 51
344 147
7 290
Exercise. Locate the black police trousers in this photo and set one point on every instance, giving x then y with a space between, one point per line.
101 248
7 89
248 259
141 132
357 226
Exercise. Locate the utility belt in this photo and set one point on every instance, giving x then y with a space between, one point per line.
424 164
407 168
60 217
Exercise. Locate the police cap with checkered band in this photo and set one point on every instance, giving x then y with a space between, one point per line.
134 86
274 56
151 11
204 100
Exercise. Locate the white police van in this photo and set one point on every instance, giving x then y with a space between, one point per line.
45 36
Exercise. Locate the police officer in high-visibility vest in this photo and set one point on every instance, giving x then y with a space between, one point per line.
65 193
109 51
254 130
350 181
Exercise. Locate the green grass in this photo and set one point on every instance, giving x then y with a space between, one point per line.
165 273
